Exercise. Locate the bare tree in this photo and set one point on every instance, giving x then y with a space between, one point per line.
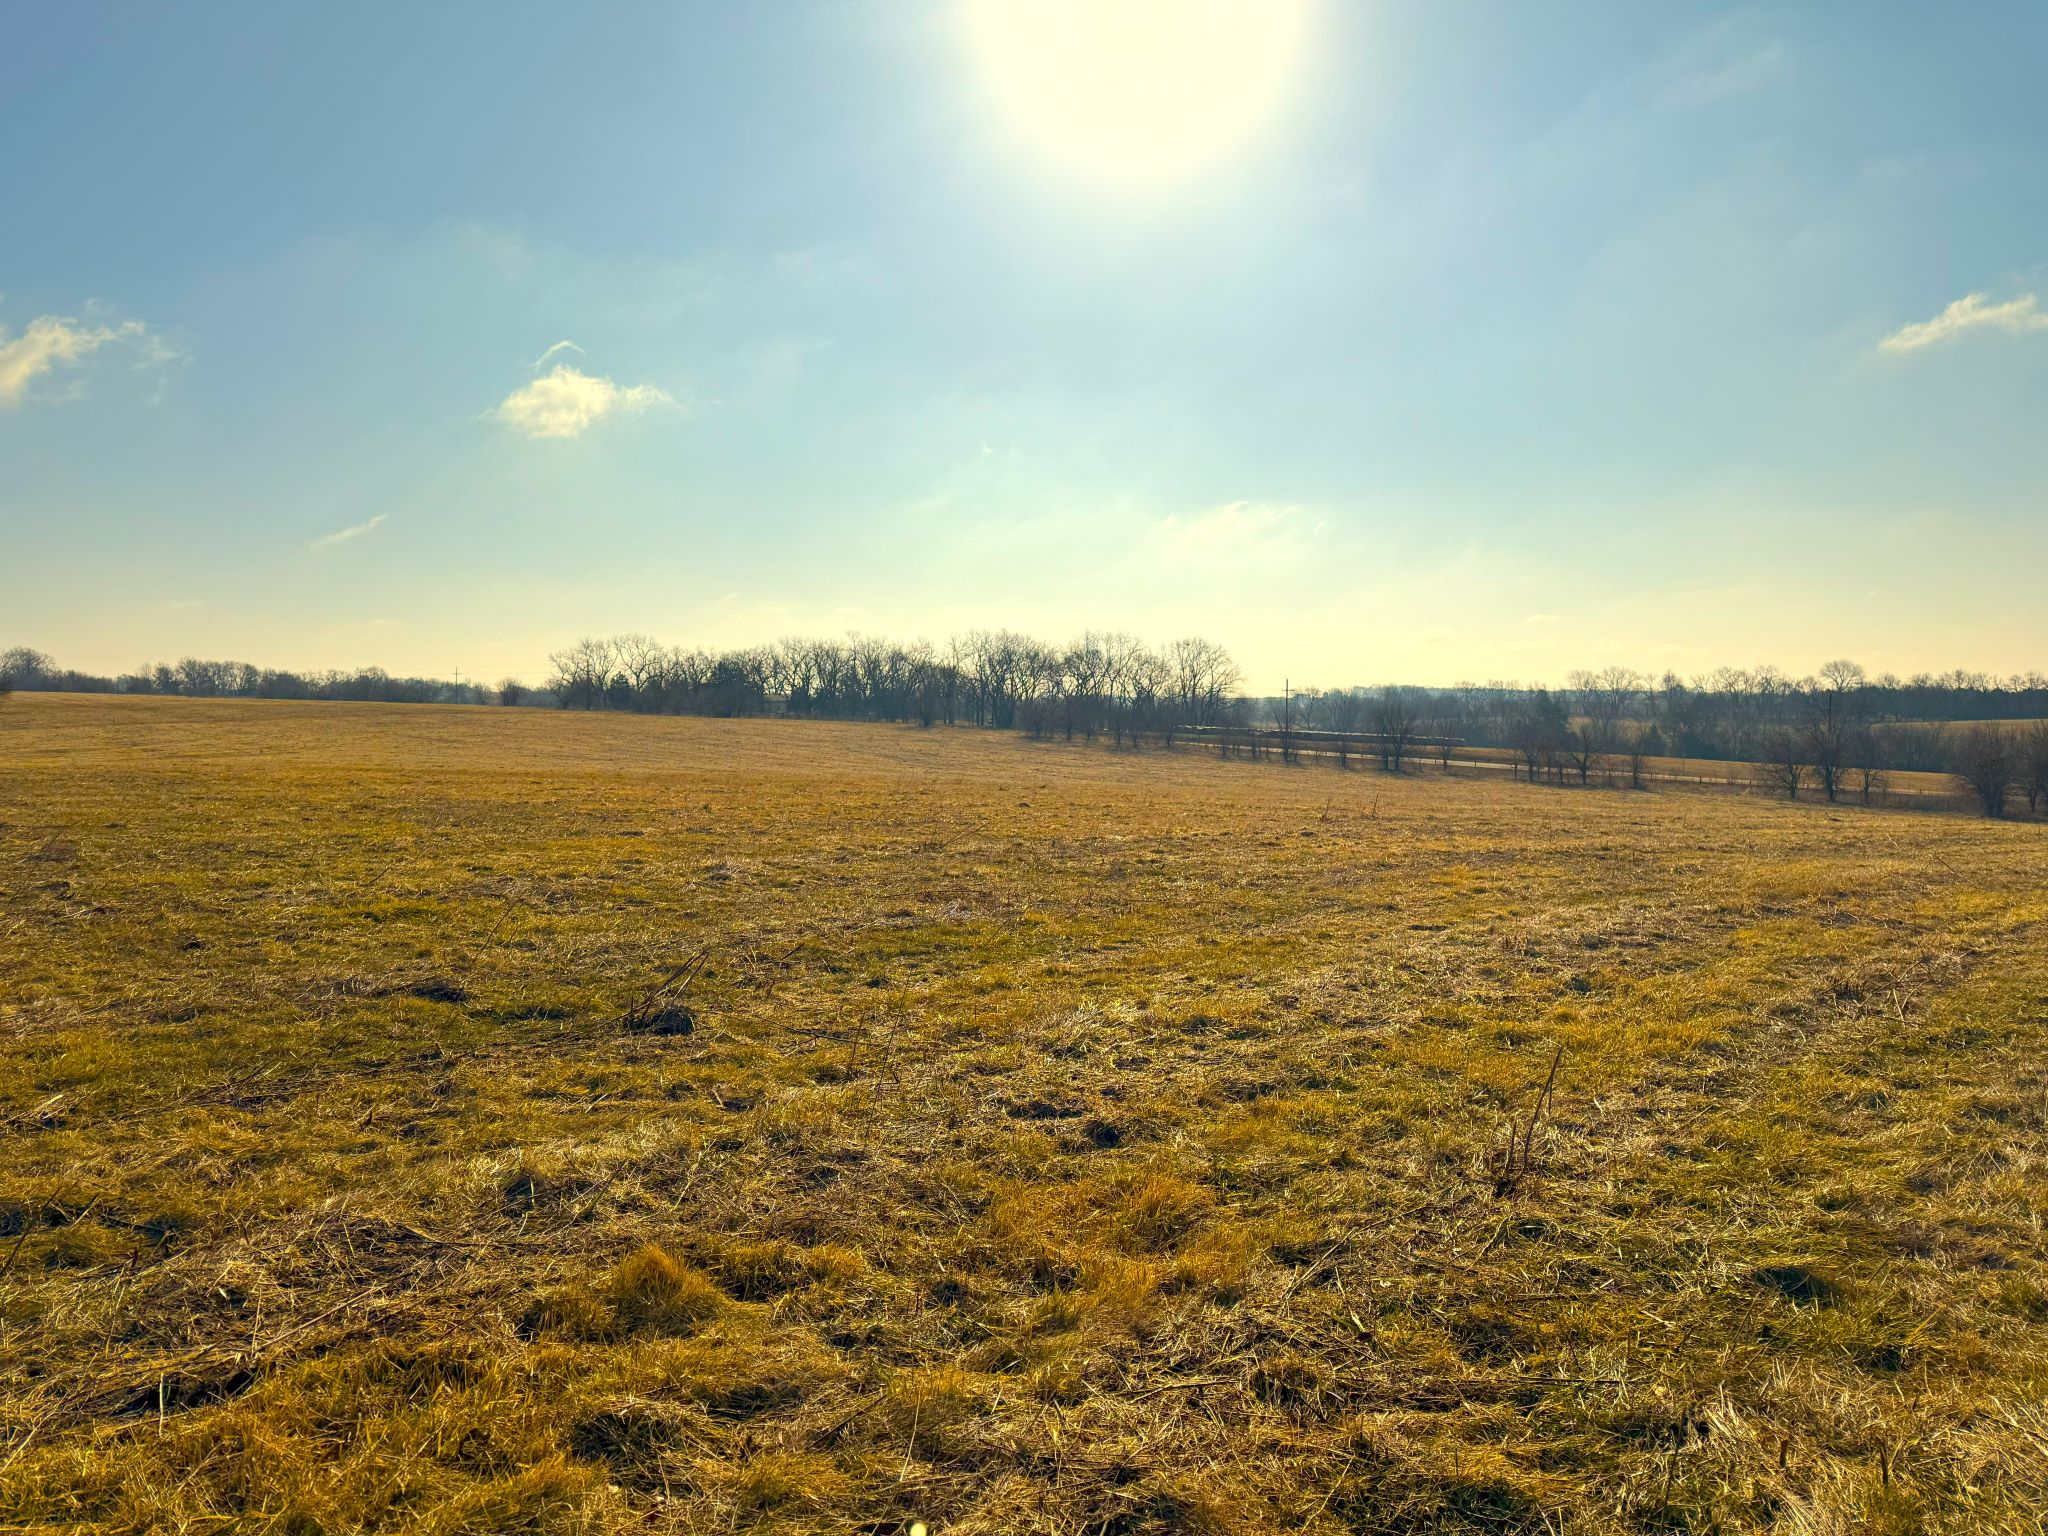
1832 718
1123 678
511 691
1582 745
1599 703
1202 679
581 674
1641 741
1986 761
1783 765
1441 726
1395 720
2033 749
26 668
1865 757
1535 730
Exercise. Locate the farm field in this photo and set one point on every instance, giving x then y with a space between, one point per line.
1046 1139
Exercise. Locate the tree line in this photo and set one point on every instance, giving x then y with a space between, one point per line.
1838 733
33 671
1102 683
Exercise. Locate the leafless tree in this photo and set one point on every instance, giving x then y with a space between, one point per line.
1123 678
1395 720
1582 746
1783 765
1202 679
511 691
1442 728
642 661
1865 755
581 674
25 668
1641 741
1831 706
1600 702
1987 762
1535 728
2033 749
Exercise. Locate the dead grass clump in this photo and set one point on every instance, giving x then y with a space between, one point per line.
553 1499
1217 1266
1103 1134
1158 1505
650 1292
438 989
775 1480
639 1439
741 1367
415 1370
1162 1209
929 1410
568 1312
1489 1333
760 1270
532 1182
1289 1381
660 1010
1398 1482
1800 1284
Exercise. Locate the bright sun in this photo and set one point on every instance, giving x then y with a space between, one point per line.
1141 93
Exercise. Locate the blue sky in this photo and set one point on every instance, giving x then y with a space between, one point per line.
1491 340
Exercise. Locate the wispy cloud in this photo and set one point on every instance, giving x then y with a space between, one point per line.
560 346
567 402
53 340
1970 313
1239 526
343 535
1741 76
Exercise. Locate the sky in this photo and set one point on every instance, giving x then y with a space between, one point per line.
1376 342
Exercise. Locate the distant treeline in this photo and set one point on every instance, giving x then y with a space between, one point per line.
1731 715
34 672
1827 730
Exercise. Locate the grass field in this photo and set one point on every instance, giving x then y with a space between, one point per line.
1052 1140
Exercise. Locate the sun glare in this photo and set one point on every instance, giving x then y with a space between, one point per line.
1141 93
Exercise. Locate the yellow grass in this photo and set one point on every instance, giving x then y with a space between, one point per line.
1054 1139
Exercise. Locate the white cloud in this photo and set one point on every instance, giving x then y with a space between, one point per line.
343 535
1969 313
567 402
1238 526
51 340
1734 77
560 346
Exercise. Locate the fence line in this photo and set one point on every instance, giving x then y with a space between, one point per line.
1448 754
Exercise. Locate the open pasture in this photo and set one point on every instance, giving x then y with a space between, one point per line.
1048 1139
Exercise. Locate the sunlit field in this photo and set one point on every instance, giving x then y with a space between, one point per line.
467 1120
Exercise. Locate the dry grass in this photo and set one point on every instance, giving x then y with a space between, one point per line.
1051 1139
